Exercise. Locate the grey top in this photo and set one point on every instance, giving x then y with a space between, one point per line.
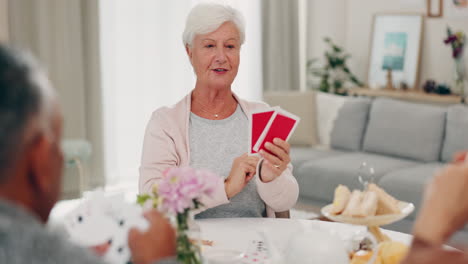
23 239
214 144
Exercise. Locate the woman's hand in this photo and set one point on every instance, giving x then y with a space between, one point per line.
275 162
242 171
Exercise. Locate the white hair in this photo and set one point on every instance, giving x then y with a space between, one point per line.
207 17
42 120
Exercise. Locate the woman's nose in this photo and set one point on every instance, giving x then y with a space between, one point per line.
220 55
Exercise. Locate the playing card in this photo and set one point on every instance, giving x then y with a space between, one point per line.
257 253
281 125
88 225
126 216
258 122
103 223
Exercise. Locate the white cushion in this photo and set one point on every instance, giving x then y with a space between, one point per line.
328 106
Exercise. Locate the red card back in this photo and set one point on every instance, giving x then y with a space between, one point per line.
259 122
281 127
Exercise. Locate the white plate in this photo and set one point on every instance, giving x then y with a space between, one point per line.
378 220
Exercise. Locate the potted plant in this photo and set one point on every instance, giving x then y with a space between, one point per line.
335 74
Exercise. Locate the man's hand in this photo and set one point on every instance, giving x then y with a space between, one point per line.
157 243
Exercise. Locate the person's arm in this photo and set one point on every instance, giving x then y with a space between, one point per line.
422 252
445 205
276 184
281 193
159 152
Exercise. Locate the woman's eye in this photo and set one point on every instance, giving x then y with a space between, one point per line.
230 46
209 46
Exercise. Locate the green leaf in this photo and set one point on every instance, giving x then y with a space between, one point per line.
142 198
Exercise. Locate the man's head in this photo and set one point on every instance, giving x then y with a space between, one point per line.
30 133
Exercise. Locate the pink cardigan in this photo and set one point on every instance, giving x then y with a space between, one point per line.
166 145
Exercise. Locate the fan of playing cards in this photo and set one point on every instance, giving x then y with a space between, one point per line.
102 223
267 124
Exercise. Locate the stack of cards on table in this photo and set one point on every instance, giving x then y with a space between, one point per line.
257 253
103 223
268 124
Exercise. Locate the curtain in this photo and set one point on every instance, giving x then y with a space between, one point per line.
145 66
281 45
4 32
64 35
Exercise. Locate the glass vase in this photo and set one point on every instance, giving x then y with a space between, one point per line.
459 81
188 239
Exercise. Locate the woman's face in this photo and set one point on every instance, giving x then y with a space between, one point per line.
215 56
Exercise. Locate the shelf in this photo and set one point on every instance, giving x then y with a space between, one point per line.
415 96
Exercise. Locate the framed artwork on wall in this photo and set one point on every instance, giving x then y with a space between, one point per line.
435 8
395 45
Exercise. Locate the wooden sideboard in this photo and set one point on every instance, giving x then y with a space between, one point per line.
409 95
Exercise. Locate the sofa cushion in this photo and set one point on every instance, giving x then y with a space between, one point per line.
406 130
319 178
408 184
456 132
350 124
299 155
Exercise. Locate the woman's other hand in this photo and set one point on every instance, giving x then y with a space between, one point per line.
276 161
242 171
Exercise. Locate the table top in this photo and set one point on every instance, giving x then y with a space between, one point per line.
237 233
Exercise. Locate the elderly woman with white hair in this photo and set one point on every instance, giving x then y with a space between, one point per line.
209 128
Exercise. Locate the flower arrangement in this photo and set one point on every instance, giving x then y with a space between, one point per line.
179 192
457 41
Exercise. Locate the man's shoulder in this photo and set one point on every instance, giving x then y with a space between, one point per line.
35 244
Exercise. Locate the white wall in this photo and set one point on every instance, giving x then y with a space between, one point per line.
4 21
349 22
325 19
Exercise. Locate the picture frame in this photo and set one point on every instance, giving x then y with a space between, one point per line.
435 8
395 44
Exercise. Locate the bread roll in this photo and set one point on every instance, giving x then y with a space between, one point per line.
386 204
369 204
341 199
354 205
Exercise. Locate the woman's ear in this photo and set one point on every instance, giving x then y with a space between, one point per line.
188 49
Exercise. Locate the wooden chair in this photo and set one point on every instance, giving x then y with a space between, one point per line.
284 214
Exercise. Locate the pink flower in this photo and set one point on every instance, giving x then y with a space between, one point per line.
181 188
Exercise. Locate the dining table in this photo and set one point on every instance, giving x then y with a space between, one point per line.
250 238
244 235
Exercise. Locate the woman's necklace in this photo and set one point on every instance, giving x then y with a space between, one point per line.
203 108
